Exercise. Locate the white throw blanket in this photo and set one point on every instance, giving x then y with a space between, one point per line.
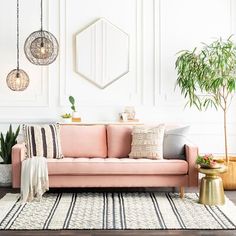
34 178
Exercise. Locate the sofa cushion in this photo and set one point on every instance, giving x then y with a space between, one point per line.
119 140
116 166
83 141
42 140
147 142
174 141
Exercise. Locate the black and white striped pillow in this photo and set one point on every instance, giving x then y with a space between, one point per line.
43 140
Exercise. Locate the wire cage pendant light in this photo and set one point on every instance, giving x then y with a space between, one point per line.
41 47
17 79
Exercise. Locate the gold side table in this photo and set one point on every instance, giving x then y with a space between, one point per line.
211 189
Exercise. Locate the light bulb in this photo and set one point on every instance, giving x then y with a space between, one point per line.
42 50
17 80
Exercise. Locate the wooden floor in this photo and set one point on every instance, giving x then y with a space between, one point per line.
231 195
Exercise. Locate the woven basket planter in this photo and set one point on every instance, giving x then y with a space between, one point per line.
229 178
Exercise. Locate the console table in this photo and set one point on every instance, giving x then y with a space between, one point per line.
104 123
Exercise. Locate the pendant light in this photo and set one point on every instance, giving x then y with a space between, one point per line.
17 79
41 47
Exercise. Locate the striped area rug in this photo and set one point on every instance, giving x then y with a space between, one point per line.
134 210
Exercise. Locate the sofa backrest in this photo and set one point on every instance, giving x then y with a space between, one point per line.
115 141
119 138
83 141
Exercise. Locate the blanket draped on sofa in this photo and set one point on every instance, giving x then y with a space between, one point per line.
34 178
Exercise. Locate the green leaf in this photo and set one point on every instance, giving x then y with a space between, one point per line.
7 143
72 100
210 71
17 132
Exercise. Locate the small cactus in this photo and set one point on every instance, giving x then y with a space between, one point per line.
72 101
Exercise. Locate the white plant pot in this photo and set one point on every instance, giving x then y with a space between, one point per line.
5 175
75 114
66 120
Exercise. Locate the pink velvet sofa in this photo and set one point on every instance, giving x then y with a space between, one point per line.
97 156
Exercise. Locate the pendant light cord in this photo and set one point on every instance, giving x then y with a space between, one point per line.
41 18
17 35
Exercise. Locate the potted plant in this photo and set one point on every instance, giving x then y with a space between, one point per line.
66 118
207 78
75 114
7 142
207 161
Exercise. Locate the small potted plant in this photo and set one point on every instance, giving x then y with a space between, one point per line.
207 161
66 118
7 142
75 114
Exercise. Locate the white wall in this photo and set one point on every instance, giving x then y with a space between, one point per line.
158 29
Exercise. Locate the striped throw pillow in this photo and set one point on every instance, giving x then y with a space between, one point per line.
42 140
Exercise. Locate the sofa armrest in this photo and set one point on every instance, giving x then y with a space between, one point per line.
17 156
191 153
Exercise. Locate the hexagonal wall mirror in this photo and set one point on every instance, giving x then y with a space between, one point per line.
102 53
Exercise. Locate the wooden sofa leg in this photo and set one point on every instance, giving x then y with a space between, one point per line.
181 193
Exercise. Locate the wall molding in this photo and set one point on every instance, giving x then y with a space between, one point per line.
139 51
233 16
63 54
160 97
157 51
38 100
170 99
139 73
41 97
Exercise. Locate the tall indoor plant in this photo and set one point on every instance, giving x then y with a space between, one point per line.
208 78
7 142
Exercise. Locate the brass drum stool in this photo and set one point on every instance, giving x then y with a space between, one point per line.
211 189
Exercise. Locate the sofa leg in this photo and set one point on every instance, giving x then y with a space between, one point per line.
181 192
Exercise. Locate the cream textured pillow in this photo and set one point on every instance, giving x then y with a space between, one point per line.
147 142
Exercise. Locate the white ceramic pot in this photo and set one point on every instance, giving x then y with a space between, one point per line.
66 120
75 114
5 175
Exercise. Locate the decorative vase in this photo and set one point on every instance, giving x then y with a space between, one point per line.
124 116
130 111
5 175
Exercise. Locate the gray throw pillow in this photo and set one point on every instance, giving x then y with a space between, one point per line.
174 141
